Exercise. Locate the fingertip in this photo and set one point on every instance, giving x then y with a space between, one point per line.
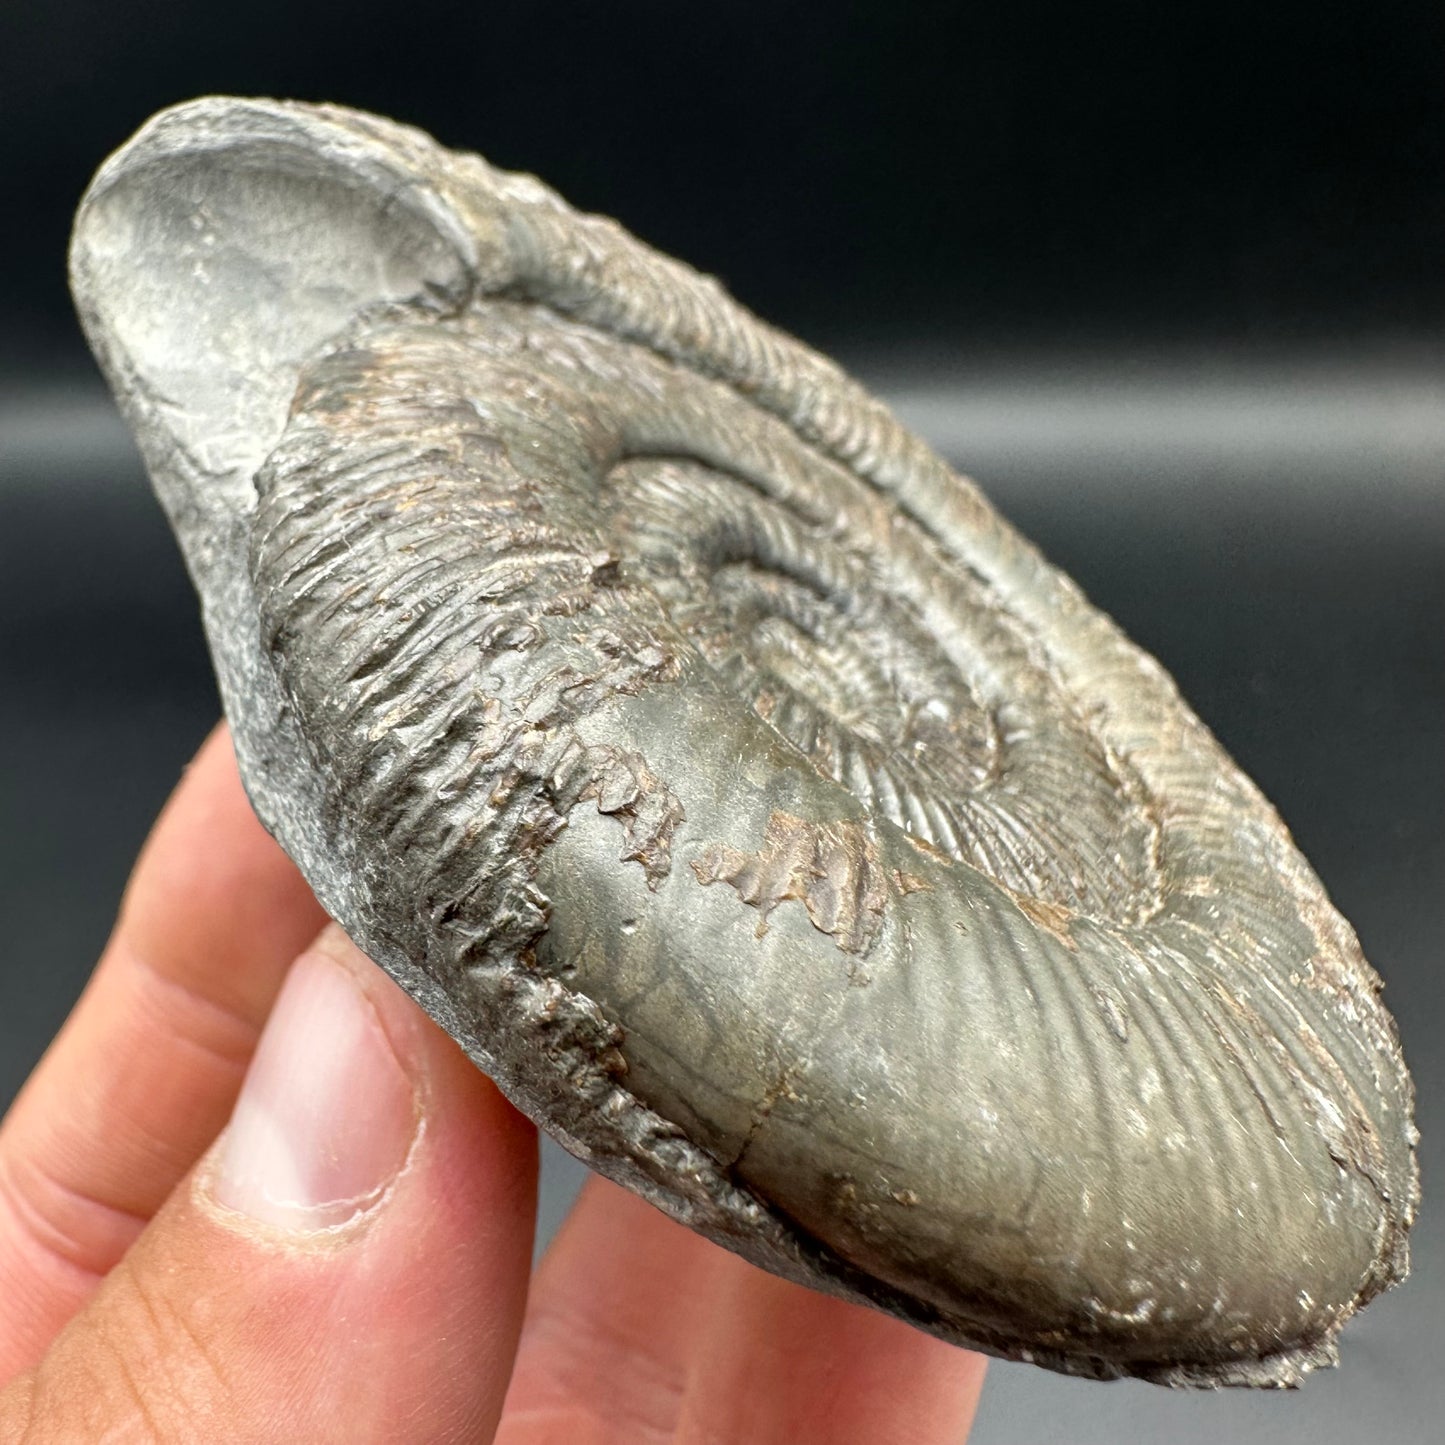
351 1259
328 1113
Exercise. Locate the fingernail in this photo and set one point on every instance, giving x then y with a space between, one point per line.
326 1115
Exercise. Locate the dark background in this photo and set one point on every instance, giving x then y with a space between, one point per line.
1248 170
1167 278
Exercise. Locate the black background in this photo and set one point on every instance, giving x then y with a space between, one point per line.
1167 278
1259 172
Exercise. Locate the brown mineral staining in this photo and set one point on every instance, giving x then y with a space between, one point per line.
1053 918
627 789
910 882
929 850
831 868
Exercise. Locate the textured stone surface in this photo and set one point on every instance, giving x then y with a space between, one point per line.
771 822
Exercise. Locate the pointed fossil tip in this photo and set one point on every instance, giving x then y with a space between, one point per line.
228 238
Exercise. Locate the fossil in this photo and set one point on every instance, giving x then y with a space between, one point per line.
774 825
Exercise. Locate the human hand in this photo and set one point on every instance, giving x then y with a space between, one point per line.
350 1259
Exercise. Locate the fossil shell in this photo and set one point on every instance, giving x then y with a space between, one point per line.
769 819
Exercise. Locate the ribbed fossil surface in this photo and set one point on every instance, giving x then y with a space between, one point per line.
771 821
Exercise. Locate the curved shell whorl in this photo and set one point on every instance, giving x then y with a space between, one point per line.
476 540
776 825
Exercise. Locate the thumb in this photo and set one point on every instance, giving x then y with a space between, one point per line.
348 1263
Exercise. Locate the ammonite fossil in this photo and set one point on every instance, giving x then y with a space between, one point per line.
769 819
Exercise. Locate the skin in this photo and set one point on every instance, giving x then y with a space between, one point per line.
137 1305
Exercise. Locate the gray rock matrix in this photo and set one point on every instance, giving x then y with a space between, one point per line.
761 812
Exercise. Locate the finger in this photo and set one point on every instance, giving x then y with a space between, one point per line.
639 1330
614 1313
349 1263
141 1077
787 1364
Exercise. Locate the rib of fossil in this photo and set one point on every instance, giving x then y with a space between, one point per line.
771 821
